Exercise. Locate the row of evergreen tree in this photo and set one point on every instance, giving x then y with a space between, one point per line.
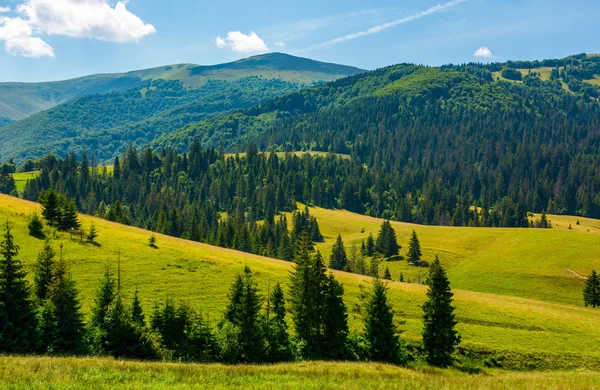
48 318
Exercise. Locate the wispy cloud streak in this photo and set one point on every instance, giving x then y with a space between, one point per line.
385 26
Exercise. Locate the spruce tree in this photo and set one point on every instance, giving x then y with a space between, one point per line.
387 275
51 208
44 272
335 320
440 339
137 313
387 244
277 332
105 296
381 333
35 226
18 320
67 313
591 291
370 247
338 259
414 249
92 234
69 219
47 327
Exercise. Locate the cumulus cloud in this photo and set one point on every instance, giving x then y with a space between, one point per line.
4 10
483 52
94 19
242 43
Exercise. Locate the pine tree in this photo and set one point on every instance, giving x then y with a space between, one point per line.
440 339
380 331
335 320
44 272
152 241
69 219
387 275
67 312
338 259
18 321
387 244
277 332
105 296
47 327
414 249
92 234
137 313
370 247
35 226
51 210
591 291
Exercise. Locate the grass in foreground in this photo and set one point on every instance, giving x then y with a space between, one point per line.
96 373
525 333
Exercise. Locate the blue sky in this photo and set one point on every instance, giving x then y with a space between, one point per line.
58 39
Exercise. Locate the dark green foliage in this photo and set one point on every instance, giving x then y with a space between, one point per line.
414 249
243 312
92 234
18 321
66 307
105 296
276 330
35 226
370 247
69 219
512 74
51 208
319 312
387 275
381 332
591 291
183 332
152 242
440 339
338 259
44 272
137 314
387 244
543 222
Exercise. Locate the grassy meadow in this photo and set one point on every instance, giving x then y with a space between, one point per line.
22 178
95 373
523 333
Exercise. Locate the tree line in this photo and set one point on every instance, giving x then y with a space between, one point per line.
47 318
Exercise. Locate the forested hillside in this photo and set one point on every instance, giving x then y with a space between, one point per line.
458 135
4 121
139 106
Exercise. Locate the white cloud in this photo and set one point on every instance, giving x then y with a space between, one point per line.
280 44
385 26
94 19
4 10
242 43
483 52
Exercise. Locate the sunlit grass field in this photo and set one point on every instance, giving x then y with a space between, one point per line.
22 178
526 333
70 373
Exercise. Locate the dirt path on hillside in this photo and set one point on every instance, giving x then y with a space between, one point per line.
576 274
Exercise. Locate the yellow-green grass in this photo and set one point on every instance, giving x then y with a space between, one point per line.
556 335
541 264
594 81
22 178
545 73
96 373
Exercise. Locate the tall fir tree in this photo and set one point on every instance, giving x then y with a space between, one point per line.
105 296
35 226
44 271
387 243
338 259
18 320
67 312
137 313
370 246
381 332
335 320
440 338
277 332
69 219
591 291
51 208
414 249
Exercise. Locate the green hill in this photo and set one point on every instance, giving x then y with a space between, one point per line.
140 106
19 100
521 332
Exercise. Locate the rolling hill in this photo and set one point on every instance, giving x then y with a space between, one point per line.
140 106
522 332
20 100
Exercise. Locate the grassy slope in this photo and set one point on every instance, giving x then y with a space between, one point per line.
60 373
528 263
558 335
21 179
